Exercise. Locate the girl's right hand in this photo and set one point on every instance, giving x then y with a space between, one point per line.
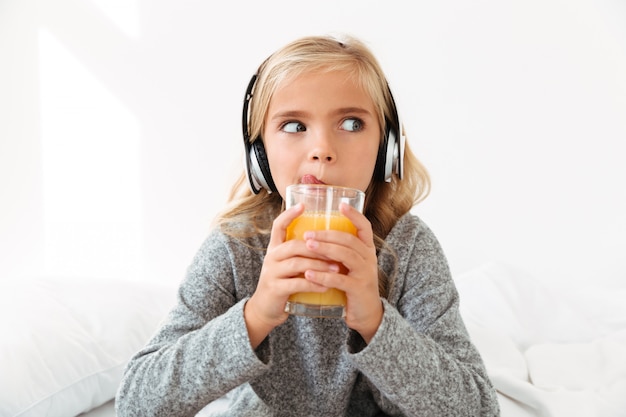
284 262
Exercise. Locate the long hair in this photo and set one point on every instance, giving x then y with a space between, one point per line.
248 213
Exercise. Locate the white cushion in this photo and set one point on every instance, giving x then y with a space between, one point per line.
549 351
65 342
511 301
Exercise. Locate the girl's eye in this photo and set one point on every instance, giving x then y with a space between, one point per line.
352 125
293 127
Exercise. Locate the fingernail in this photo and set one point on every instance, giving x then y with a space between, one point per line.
311 244
309 235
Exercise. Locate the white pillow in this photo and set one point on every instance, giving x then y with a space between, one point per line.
512 302
547 351
65 342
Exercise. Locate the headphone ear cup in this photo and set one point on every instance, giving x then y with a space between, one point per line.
257 166
391 150
398 166
379 169
388 154
260 167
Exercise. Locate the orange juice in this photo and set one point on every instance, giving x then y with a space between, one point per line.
310 221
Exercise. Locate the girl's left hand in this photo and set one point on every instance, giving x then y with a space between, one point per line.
364 309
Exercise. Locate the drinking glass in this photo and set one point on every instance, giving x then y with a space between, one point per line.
321 212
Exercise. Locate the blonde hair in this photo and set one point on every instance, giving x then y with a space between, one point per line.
385 202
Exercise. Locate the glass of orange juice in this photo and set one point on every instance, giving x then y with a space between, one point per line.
321 212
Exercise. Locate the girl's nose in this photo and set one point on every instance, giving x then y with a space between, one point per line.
323 156
322 150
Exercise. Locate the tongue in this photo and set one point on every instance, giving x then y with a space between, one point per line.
310 179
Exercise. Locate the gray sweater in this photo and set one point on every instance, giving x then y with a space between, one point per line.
420 362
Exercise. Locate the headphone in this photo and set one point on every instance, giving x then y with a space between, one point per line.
390 157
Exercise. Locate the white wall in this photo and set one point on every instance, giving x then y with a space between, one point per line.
120 126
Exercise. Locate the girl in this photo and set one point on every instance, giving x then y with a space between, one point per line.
318 110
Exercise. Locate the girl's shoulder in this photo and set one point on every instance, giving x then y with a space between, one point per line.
222 248
236 240
415 258
410 228
413 242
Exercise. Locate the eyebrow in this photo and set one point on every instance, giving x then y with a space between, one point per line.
354 110
343 110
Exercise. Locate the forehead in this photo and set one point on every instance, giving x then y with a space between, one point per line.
338 88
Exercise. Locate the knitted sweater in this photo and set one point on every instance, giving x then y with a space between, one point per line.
420 362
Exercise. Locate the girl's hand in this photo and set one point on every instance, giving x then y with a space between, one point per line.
283 263
364 309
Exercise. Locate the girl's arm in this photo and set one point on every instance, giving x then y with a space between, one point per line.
203 349
421 359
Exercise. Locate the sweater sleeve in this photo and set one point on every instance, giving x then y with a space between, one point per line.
203 346
421 360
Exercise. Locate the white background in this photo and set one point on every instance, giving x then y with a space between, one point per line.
120 126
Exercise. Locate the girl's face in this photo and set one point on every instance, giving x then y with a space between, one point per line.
321 127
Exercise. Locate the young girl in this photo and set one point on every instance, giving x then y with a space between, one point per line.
318 111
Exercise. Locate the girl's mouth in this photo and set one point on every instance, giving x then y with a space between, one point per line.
310 179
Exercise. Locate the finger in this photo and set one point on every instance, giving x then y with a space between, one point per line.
337 246
296 266
328 279
282 221
362 224
329 250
